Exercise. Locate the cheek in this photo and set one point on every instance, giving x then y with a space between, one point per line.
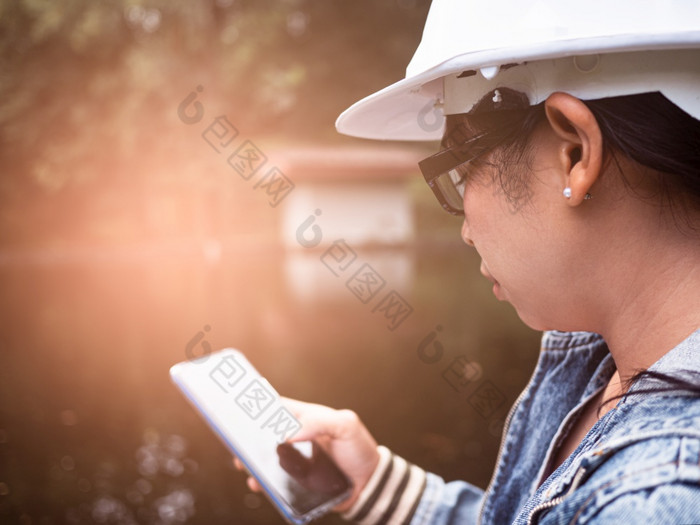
529 271
508 242
486 220
526 250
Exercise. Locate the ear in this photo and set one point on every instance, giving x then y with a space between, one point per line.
580 143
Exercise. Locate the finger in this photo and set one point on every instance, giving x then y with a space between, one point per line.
298 408
238 464
324 422
253 485
312 417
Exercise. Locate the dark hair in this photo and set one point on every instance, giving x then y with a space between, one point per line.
647 128
688 382
506 116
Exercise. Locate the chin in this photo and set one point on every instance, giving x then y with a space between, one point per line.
535 322
549 319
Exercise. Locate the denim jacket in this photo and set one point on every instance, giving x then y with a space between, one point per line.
640 463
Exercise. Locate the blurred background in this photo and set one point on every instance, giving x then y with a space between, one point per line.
172 184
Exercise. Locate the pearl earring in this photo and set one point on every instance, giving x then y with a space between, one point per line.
567 192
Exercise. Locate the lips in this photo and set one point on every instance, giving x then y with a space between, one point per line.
496 286
485 272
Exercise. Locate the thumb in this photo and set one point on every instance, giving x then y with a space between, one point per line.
318 421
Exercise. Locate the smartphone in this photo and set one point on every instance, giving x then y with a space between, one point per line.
299 478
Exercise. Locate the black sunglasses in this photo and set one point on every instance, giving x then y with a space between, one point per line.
441 173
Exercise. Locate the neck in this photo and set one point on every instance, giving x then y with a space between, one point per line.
651 313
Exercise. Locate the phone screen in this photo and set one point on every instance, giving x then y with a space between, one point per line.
307 477
249 416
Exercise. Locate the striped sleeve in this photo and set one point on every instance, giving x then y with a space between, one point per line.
392 493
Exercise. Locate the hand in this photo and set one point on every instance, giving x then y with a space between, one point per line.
342 435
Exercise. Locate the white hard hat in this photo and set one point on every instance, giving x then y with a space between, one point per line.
591 49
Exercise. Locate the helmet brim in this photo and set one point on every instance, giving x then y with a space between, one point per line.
412 109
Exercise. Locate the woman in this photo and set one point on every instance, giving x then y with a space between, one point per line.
572 148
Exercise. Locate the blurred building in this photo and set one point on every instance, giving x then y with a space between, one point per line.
350 211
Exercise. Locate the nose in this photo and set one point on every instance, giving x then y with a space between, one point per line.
465 234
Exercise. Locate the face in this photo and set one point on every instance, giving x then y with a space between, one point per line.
526 246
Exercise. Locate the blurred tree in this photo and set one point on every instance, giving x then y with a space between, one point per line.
88 89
